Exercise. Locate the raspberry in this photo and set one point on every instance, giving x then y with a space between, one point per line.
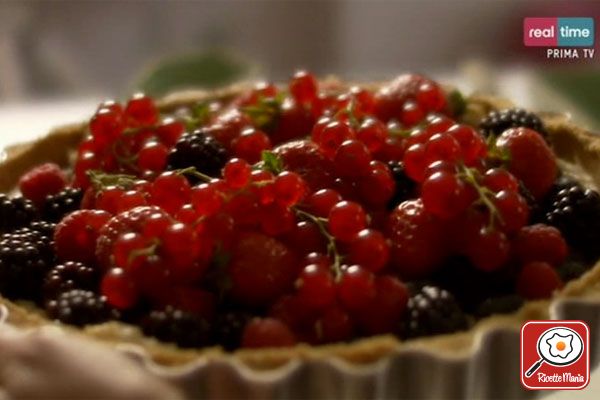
405 186
79 307
25 257
433 311
575 211
531 160
41 181
200 150
496 122
304 158
176 326
58 205
538 280
75 236
15 212
67 276
540 243
267 332
418 240
228 329
261 269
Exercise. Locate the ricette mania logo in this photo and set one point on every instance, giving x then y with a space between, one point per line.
564 37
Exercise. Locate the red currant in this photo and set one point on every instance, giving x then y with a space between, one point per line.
346 219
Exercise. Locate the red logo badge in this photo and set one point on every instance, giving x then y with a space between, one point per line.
554 355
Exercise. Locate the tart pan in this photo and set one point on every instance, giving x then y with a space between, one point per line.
480 363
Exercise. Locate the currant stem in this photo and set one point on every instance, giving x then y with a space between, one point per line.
146 251
485 194
194 172
102 180
331 246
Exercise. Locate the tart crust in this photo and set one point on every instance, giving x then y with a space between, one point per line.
572 144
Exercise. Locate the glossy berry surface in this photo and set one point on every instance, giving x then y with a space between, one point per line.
313 212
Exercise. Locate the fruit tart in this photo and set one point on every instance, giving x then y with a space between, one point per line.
265 235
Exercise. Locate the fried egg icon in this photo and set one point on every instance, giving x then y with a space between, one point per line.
560 346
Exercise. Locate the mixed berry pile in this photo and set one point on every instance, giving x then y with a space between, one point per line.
298 214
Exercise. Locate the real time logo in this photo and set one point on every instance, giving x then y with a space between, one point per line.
566 38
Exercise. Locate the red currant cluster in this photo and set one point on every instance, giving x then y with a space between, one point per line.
126 140
298 229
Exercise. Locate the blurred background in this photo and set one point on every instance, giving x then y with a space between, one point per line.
62 57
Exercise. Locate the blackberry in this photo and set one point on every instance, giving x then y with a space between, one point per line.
405 187
79 307
68 276
497 122
572 269
15 212
470 285
177 326
25 257
199 150
575 211
44 228
58 205
432 311
228 329
499 305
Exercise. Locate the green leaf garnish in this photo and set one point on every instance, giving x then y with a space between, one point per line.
457 103
271 162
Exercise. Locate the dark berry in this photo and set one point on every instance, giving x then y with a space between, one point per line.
79 307
433 311
15 212
575 211
497 122
44 228
180 327
25 257
67 276
198 150
499 305
228 329
405 186
56 206
572 269
470 285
